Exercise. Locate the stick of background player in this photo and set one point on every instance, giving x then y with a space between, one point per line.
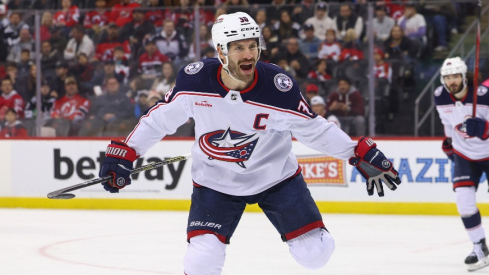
466 144
477 51
246 113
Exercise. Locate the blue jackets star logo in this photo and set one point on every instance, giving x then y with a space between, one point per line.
228 145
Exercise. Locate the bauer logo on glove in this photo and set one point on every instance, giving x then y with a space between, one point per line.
374 166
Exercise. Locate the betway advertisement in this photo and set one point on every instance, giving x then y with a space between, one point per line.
33 168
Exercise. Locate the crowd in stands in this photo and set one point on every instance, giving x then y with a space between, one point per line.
103 63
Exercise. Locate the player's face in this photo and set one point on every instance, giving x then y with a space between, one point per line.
454 82
242 56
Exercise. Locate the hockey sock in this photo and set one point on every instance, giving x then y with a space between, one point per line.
474 227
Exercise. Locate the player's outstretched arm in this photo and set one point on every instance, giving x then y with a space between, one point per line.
118 163
477 127
374 166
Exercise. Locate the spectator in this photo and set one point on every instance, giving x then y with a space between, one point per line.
284 64
271 40
97 19
10 99
295 58
382 24
395 9
13 75
153 98
80 43
57 84
261 18
150 63
274 11
27 86
413 24
141 103
172 44
205 43
108 41
136 31
121 14
111 108
12 31
347 20
183 17
83 70
166 81
347 104
24 64
69 110
4 21
321 21
397 46
46 26
285 27
49 57
312 90
310 44
382 69
303 11
351 49
154 14
320 73
233 6
68 17
441 15
47 102
319 107
121 63
13 127
100 78
25 42
330 49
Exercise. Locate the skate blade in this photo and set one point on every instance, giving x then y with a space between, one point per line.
480 264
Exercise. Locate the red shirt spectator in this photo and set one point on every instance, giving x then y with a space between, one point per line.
10 99
13 127
99 17
381 68
346 100
69 16
320 73
121 14
151 62
105 48
72 106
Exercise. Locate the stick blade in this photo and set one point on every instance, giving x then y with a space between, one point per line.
60 196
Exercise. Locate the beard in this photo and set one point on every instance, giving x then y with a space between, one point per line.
455 89
234 69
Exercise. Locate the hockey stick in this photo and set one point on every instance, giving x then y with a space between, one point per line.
476 61
63 193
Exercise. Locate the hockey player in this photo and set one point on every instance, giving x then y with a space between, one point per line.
246 113
466 144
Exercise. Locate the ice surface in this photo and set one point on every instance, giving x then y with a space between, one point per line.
153 242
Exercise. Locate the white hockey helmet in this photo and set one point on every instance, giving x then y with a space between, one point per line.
454 65
233 27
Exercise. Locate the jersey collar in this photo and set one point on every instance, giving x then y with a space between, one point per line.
243 91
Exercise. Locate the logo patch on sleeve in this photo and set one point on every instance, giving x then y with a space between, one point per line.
194 68
438 91
481 90
283 82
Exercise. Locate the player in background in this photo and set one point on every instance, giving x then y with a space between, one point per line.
246 113
466 144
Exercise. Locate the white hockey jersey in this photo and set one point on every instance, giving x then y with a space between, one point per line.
453 113
243 139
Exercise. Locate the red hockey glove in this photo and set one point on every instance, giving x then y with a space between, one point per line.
374 166
118 164
447 148
477 127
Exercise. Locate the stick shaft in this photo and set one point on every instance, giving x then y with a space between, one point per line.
106 178
476 61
